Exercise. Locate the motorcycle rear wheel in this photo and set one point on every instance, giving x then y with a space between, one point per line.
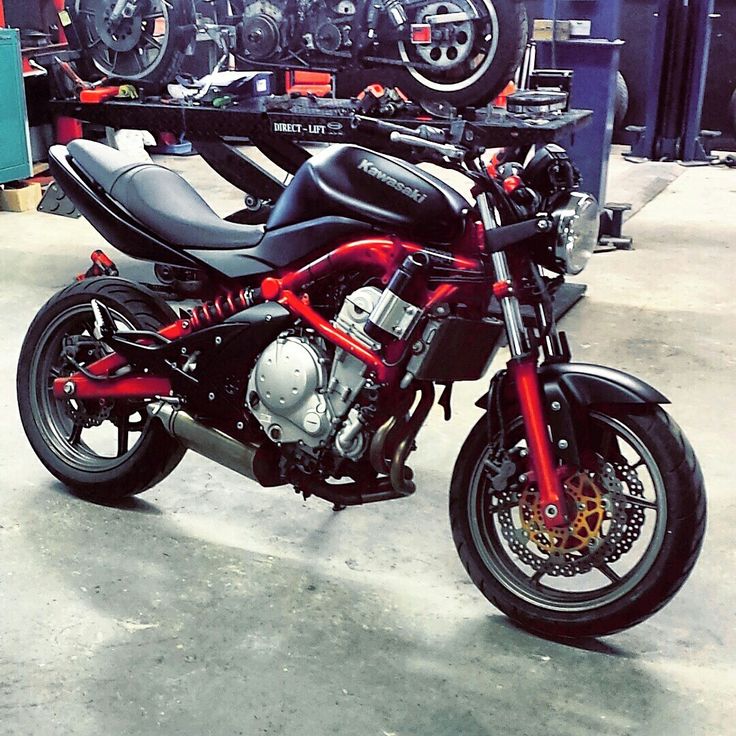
489 66
102 452
148 48
661 524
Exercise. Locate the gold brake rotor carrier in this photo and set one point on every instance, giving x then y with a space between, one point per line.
587 508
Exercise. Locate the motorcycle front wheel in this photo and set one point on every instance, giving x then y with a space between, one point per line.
637 518
468 62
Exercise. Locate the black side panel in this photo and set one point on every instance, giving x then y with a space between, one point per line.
223 370
283 247
113 223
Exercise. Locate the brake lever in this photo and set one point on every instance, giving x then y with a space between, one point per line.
445 149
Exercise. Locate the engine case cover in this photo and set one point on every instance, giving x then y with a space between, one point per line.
297 397
286 392
347 375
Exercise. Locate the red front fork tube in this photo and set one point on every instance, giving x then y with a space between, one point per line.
551 495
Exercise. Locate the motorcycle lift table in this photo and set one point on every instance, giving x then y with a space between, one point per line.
280 126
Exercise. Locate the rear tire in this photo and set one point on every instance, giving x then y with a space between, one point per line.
53 426
146 50
506 580
621 103
485 83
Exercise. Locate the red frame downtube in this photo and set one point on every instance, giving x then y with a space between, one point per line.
525 376
382 255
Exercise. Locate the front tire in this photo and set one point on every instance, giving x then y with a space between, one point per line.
102 451
645 529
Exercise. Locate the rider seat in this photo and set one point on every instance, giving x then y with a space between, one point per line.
161 199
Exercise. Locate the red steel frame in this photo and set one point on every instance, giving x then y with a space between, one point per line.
382 255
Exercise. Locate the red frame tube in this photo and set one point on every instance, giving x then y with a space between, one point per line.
380 255
526 379
325 328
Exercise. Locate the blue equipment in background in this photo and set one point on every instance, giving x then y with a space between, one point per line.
676 84
595 62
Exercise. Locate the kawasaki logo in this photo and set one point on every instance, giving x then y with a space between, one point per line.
413 194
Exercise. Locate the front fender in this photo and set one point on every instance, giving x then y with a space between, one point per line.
585 384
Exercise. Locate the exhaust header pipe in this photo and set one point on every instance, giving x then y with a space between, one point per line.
252 461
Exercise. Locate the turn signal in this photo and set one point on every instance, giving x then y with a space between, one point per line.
511 184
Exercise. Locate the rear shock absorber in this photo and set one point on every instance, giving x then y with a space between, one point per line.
223 306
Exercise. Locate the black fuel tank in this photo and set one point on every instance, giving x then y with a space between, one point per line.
350 181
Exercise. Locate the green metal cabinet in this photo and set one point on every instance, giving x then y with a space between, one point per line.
15 147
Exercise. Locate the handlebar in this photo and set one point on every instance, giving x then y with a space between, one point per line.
425 136
446 149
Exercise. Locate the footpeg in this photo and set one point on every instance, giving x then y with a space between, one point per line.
104 323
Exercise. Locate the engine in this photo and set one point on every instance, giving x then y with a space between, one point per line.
298 395
263 30
271 26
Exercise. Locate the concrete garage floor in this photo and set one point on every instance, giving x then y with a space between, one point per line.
210 606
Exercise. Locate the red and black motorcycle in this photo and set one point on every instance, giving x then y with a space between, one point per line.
577 505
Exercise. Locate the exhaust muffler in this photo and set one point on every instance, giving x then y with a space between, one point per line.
253 461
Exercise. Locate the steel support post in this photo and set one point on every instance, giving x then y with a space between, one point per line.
677 77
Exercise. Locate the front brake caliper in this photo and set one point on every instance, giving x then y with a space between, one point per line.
587 507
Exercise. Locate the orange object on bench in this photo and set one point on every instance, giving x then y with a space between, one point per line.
98 94
309 83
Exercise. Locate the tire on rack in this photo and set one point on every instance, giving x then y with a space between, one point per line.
148 51
494 70
504 576
621 102
53 426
